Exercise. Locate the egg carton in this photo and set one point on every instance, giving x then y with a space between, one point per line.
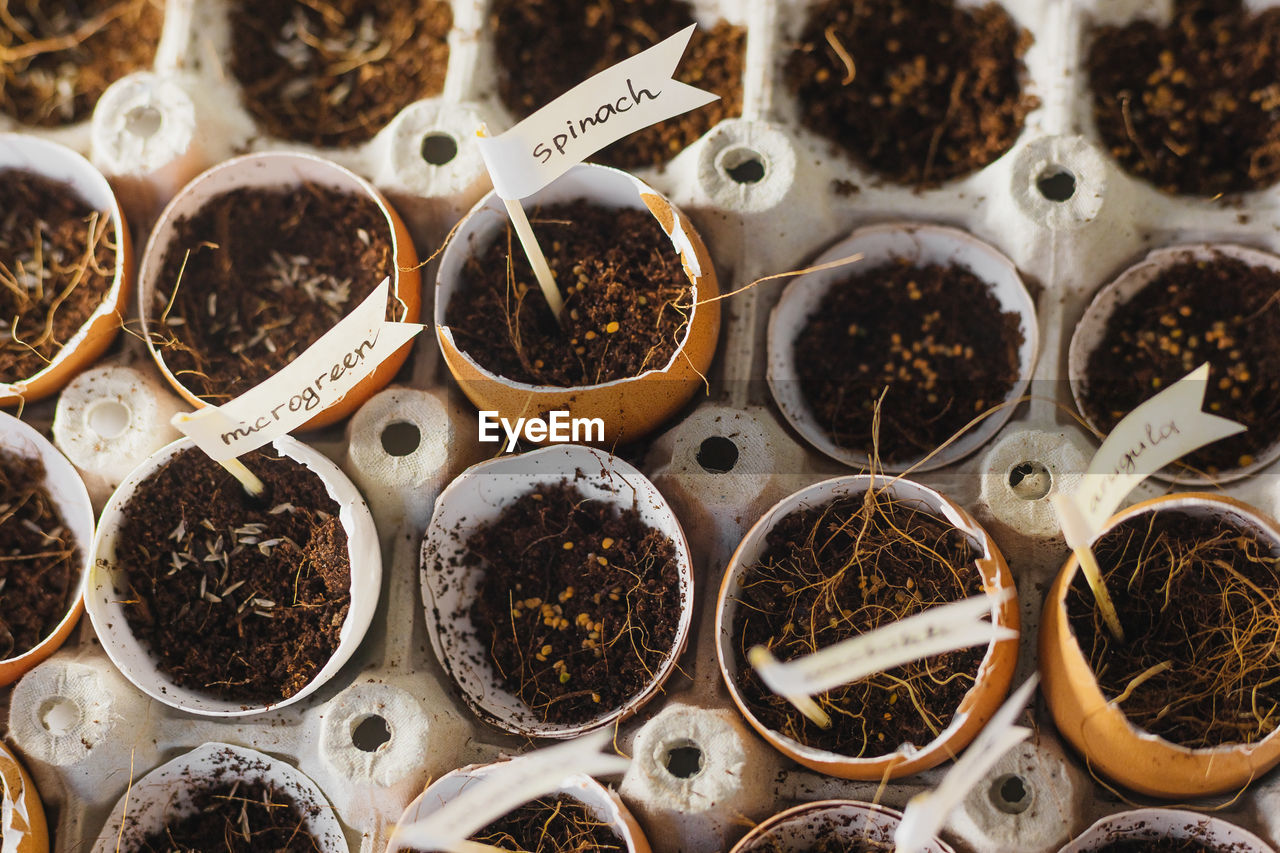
389 722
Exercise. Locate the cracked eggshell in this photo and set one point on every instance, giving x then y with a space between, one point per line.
22 822
1129 286
798 829
164 795
981 701
1155 824
629 407
58 163
1112 745
478 497
603 804
68 492
106 586
878 245
280 169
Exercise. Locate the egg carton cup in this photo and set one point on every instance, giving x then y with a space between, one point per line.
391 720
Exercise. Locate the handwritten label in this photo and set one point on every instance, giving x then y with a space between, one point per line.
506 787
1161 430
315 380
926 813
933 632
629 96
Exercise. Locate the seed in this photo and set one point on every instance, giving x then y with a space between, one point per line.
595 697
564 677
602 561
612 327
607 543
568 546
1245 460
591 336
546 650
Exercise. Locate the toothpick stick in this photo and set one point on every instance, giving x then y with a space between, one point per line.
1093 574
541 271
247 478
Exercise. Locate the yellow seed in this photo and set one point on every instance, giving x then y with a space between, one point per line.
602 561
612 327
591 336
595 697
568 546
564 677
1244 460
545 650
607 543
531 603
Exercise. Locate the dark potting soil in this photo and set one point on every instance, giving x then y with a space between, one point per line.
579 603
1193 107
626 299
831 839
1160 845
546 47
238 599
551 825
56 59
235 817
838 571
334 74
919 91
260 275
57 263
1223 311
934 336
41 558
1196 601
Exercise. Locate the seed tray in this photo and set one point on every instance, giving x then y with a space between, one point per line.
388 723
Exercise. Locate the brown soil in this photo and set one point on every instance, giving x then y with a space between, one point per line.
1193 107
546 47
1196 595
1224 312
579 604
551 825
240 599
834 837
934 336
841 570
41 565
57 263
260 275
1160 845
626 299
920 91
56 59
333 74
235 817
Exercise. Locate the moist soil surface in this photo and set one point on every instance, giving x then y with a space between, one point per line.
838 571
1222 311
830 840
1160 845
551 825
1196 602
918 91
56 59
626 299
1192 107
260 275
57 263
546 47
933 336
242 600
235 817
579 603
333 74
41 557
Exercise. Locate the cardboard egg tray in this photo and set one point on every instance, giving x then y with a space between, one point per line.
84 731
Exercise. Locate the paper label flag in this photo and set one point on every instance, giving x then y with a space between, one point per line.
629 96
315 380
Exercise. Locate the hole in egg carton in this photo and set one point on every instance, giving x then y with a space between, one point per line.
743 165
1056 184
370 732
683 759
59 715
439 148
109 418
717 454
401 438
1030 481
144 121
1011 794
